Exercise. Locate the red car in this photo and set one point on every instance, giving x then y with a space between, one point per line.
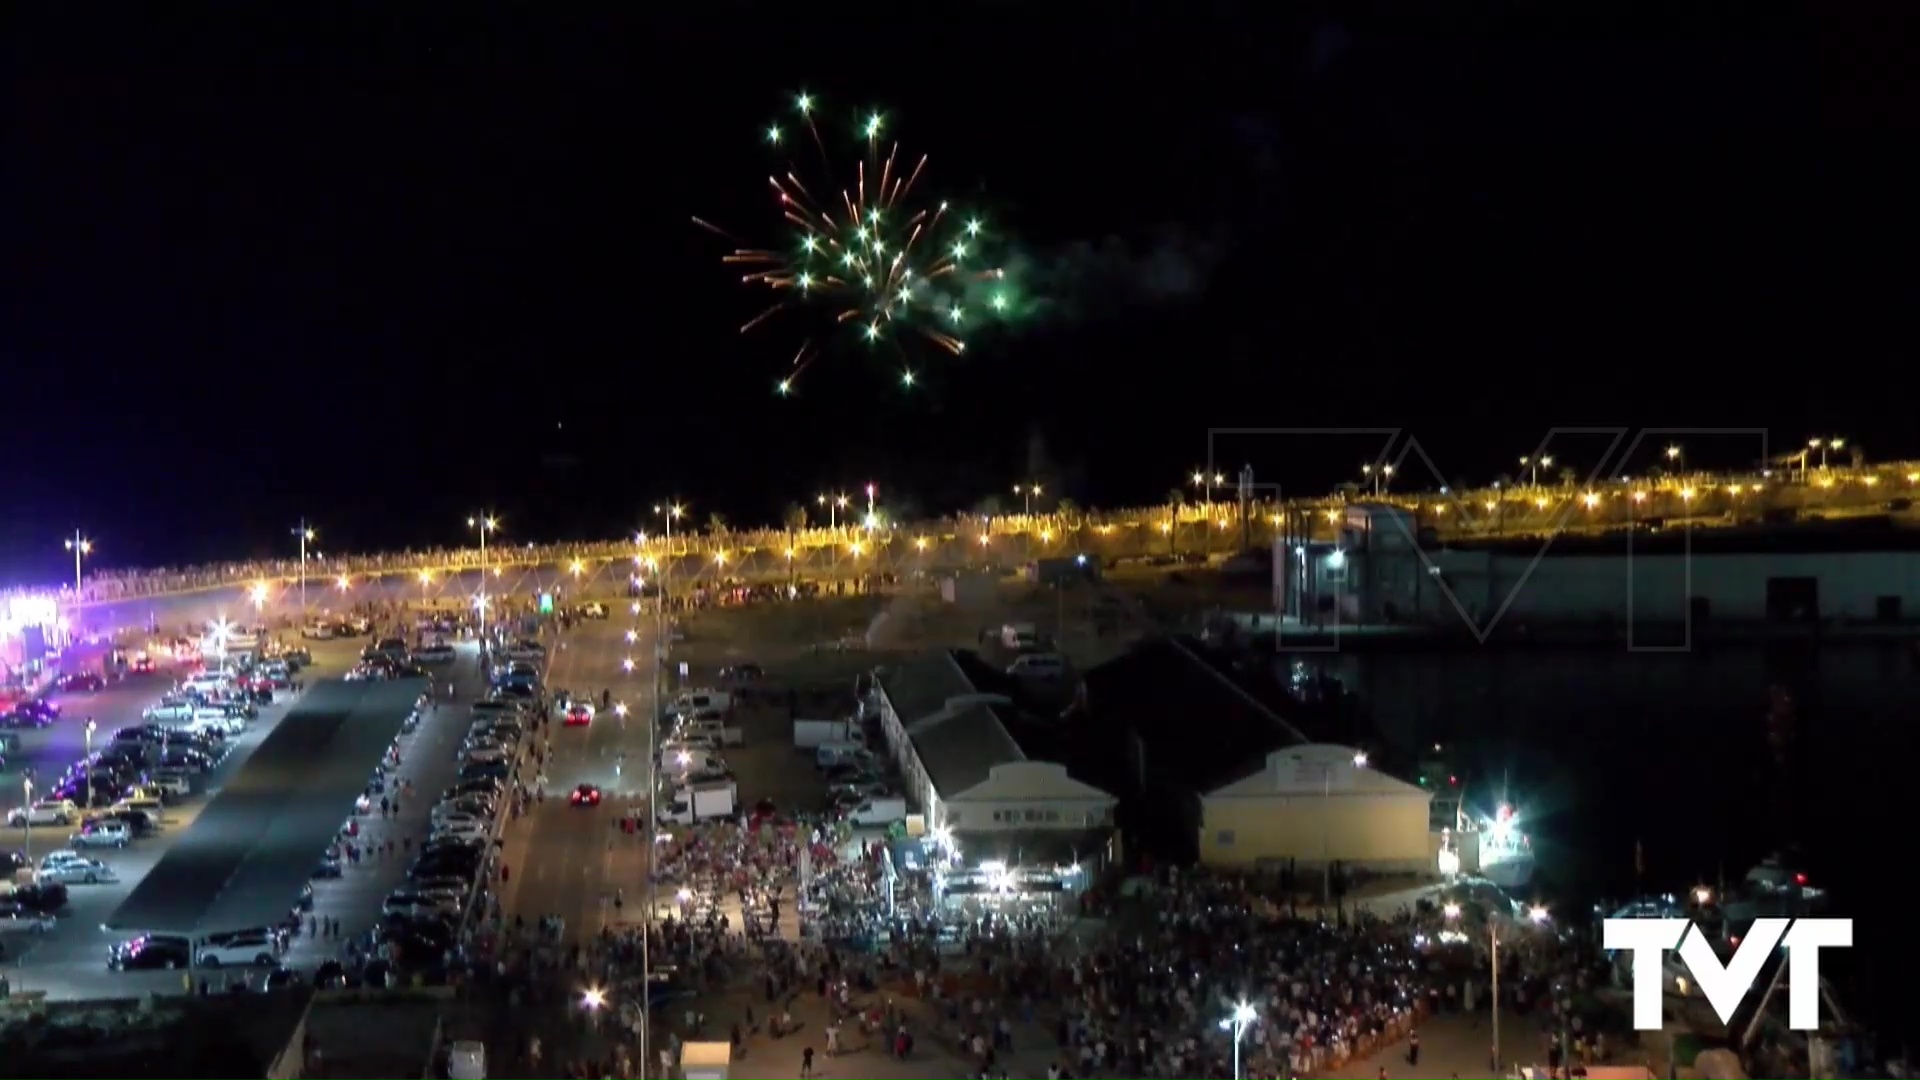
580 715
143 665
585 795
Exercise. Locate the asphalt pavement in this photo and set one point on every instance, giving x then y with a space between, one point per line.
429 760
570 861
69 961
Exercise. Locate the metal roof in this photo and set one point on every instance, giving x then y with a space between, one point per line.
1197 727
242 862
959 749
921 686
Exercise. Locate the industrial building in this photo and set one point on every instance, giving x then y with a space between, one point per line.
1316 805
1383 569
983 772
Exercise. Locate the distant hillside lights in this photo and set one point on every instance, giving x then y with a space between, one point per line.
1181 525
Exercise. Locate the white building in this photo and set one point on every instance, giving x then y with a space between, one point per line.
1376 573
964 768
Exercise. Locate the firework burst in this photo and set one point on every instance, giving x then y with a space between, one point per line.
866 256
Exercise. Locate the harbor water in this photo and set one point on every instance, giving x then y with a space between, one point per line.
1638 772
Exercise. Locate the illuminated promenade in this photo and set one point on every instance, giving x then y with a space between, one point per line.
1190 528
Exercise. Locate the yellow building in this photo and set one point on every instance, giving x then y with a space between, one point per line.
1315 805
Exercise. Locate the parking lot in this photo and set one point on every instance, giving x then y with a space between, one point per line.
69 961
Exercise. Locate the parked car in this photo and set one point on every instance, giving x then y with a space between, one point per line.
44 812
72 868
149 952
102 834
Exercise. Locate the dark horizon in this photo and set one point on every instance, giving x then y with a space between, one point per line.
380 272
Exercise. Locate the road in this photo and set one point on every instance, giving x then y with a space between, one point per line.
569 861
70 961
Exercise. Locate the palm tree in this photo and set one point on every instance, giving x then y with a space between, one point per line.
795 517
717 524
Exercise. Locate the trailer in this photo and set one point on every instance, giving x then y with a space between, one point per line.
808 734
701 802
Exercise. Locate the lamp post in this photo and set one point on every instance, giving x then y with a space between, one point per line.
668 511
834 504
81 547
1824 445
305 534
1237 1023
485 523
1027 492
26 820
871 520
87 734
222 629
1533 464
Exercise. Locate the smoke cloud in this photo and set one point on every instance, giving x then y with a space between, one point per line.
1095 279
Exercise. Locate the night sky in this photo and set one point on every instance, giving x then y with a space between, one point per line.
381 269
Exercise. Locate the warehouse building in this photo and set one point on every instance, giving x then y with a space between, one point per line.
983 772
1165 725
1383 568
1315 805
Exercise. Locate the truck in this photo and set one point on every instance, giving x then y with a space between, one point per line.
713 729
808 734
878 811
701 802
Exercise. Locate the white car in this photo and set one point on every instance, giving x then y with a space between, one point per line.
317 631
113 834
170 711
456 819
75 869
44 812
249 948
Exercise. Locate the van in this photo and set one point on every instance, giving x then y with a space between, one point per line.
693 701
1038 666
827 755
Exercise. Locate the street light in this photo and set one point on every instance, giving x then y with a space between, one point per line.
87 734
833 503
222 630
305 534
1027 492
80 546
1237 1022
485 523
1676 456
258 594
1824 445
26 820
1452 912
871 491
1534 463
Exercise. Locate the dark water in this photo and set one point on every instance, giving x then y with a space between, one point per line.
1601 748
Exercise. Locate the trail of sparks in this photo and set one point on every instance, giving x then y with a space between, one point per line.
862 255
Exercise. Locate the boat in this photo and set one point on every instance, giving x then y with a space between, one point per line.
1506 853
